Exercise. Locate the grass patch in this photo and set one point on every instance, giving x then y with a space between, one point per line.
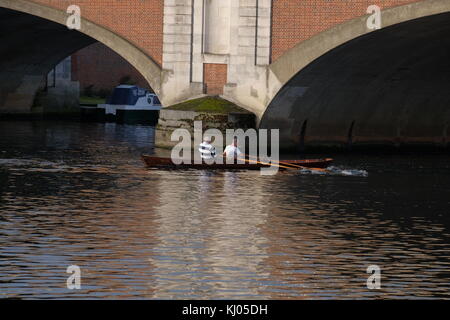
208 104
92 100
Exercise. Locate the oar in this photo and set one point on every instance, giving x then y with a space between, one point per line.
265 163
294 165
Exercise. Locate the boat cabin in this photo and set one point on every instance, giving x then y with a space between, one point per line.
129 95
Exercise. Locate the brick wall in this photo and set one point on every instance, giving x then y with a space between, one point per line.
100 66
138 21
141 22
297 20
215 78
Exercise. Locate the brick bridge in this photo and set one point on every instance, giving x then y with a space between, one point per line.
312 68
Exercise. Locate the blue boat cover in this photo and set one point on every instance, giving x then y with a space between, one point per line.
124 96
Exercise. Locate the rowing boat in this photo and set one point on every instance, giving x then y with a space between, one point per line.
159 162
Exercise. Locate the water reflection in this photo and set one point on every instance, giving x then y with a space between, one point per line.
210 240
78 194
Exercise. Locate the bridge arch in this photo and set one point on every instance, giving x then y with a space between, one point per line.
305 52
34 68
319 80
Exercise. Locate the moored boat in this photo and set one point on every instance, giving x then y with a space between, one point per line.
127 104
159 162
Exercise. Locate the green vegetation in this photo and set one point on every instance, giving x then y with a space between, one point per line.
91 100
208 104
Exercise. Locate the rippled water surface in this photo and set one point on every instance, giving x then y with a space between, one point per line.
78 194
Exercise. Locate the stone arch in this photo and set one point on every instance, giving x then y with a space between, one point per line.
150 70
393 83
297 58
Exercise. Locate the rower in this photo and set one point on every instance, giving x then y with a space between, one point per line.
232 151
206 149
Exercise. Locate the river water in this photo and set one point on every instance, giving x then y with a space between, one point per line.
78 194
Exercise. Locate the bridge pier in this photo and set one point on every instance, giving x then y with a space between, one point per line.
217 48
17 94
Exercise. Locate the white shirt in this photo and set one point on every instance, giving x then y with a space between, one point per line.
207 150
232 151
